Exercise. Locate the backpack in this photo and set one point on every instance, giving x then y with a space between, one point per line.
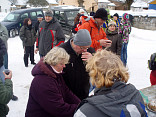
152 62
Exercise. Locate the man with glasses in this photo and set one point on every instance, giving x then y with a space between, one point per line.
94 26
75 75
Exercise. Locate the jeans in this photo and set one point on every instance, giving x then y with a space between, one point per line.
2 77
124 53
5 62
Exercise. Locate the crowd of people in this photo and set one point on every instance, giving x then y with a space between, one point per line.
96 56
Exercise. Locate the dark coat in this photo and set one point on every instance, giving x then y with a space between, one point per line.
37 26
50 35
27 35
49 96
116 41
3 50
117 101
75 76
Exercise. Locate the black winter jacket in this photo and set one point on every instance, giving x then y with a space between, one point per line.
75 76
3 50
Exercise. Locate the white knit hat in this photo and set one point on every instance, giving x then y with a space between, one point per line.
81 10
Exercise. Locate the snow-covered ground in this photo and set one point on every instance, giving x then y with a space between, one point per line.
141 45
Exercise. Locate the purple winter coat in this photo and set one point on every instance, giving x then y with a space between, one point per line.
49 96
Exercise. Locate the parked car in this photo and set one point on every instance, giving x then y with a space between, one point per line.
66 15
14 20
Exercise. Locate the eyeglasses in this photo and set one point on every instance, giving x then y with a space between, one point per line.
83 48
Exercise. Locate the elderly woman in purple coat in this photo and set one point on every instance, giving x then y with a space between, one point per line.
49 96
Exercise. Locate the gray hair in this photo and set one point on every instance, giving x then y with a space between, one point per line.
56 55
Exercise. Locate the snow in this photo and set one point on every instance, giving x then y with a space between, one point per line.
141 46
105 1
139 3
111 4
149 13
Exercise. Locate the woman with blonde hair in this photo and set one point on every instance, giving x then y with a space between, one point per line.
49 96
112 96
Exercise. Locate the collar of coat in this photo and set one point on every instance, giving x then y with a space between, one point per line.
47 69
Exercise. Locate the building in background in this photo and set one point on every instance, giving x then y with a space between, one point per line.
5 6
89 5
152 5
111 6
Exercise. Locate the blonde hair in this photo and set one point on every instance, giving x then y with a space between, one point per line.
56 55
104 67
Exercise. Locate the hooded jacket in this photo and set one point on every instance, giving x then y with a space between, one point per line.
48 95
95 32
120 100
50 35
125 30
28 36
116 41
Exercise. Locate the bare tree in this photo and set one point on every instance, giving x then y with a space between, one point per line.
129 3
80 2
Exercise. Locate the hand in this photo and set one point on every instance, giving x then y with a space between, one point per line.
86 55
105 43
9 76
36 50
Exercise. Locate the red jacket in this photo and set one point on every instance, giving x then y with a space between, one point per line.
153 77
95 32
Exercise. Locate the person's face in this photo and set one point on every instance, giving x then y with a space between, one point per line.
111 28
115 18
48 18
100 21
59 67
40 19
29 22
81 49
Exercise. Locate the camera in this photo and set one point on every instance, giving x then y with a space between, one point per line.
7 71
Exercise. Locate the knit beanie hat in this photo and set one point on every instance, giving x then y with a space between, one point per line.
49 13
81 11
116 15
39 16
82 38
111 23
101 13
125 16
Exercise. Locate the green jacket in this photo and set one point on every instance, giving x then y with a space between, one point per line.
6 92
